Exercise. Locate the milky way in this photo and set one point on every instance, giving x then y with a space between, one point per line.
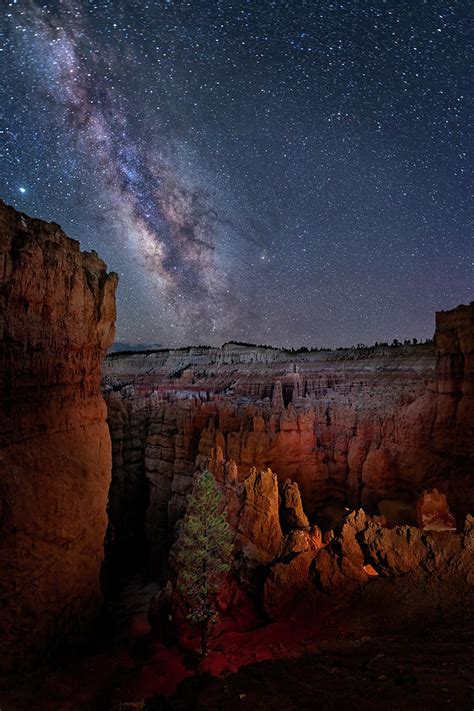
288 173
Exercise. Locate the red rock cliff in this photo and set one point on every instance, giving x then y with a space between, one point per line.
57 318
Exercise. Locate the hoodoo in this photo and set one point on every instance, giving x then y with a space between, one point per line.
57 318
357 427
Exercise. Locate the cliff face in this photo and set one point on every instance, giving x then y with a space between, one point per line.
57 318
453 428
371 428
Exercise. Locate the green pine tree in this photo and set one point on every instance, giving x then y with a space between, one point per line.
203 552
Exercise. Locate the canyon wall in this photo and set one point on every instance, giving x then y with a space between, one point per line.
452 436
371 427
57 319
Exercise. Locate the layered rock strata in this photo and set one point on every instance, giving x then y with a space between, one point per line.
371 427
57 318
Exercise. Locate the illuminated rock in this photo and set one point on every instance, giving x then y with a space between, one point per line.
433 512
361 548
259 522
339 566
57 318
292 507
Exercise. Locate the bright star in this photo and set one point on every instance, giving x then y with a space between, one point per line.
22 191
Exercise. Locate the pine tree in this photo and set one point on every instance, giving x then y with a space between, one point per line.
203 553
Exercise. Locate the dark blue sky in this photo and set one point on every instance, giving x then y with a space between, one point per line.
294 173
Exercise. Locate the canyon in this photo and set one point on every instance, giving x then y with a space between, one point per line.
347 477
370 427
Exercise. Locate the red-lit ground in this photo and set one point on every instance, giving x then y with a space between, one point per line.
378 653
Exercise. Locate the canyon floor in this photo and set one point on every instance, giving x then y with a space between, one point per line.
370 654
428 669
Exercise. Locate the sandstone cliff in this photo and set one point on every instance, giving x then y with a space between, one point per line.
57 317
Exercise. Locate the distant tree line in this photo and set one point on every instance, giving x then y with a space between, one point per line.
251 345
291 351
394 344
363 346
148 351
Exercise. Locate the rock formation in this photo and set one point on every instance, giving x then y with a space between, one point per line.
433 513
259 521
294 516
271 563
452 435
356 427
57 319
293 439
280 571
362 549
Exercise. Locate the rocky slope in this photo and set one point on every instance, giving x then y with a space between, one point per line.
57 315
370 427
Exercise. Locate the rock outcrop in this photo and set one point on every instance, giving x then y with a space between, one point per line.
281 563
433 513
362 549
452 435
57 315
294 516
259 521
273 548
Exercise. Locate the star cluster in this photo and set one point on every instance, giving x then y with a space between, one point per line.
295 173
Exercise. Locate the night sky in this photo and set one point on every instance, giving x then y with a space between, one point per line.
293 173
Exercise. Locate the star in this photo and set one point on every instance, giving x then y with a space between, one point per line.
300 169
